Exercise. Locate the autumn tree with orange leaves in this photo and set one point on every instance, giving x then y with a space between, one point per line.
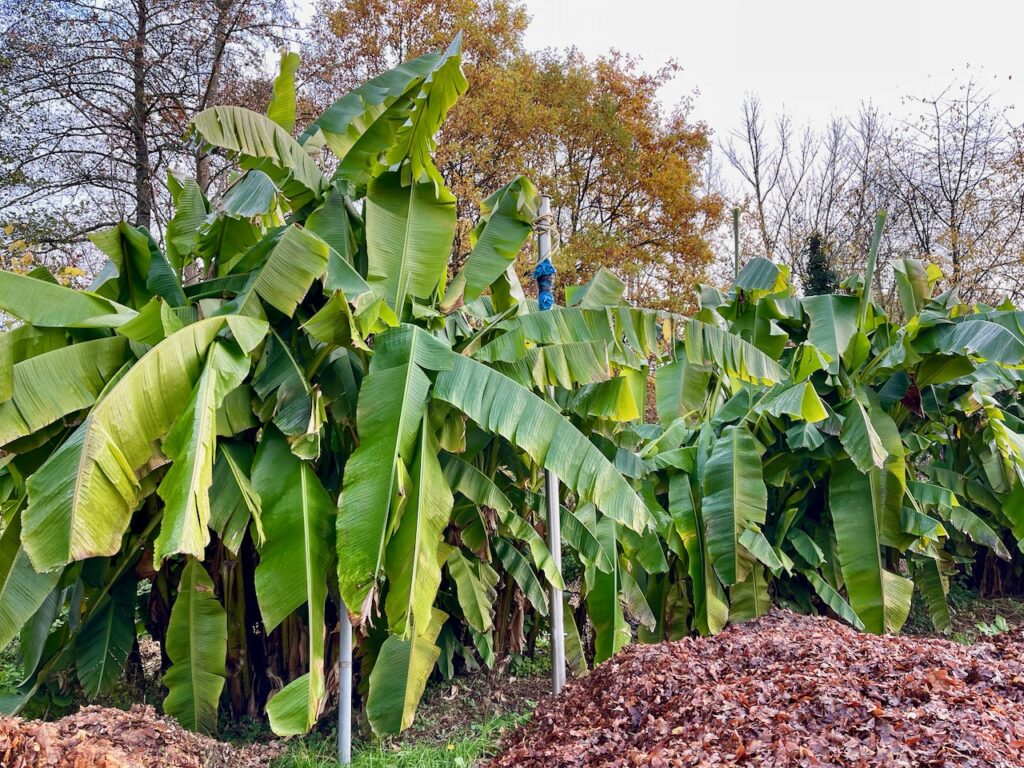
623 173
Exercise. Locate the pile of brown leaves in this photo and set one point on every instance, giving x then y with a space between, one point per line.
96 737
787 690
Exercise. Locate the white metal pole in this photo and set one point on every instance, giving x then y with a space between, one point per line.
345 690
551 493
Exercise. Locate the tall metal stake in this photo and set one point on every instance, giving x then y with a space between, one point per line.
735 242
345 690
544 274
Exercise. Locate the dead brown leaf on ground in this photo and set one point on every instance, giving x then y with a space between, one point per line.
98 737
786 690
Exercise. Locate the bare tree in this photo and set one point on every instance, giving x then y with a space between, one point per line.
955 177
99 93
774 166
951 179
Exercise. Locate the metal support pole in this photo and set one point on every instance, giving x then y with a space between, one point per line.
345 690
735 242
545 277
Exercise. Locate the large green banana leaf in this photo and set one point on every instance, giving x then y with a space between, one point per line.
476 486
288 399
190 212
710 345
105 641
22 590
282 100
416 551
81 499
297 516
604 606
233 500
298 258
258 138
392 403
474 588
498 404
833 323
23 343
191 445
681 387
880 598
506 221
735 499
49 305
860 439
390 117
196 644
410 229
416 138
399 677
52 385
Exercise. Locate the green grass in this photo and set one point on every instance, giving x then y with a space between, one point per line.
464 750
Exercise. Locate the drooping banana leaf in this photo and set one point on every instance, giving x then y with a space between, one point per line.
735 497
880 598
399 677
611 632
710 345
22 590
196 644
233 500
500 405
52 385
191 445
416 551
392 403
474 587
298 518
81 499
105 641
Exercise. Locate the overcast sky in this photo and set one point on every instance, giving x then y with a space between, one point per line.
815 57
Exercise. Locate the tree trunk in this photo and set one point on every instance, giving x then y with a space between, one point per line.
143 180
220 41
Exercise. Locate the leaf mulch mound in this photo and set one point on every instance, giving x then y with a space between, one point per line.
97 737
787 690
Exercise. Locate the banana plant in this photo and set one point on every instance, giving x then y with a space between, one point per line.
308 428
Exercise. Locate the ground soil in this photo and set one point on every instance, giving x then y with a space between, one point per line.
453 708
787 690
98 737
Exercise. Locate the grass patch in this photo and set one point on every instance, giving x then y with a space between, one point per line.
460 751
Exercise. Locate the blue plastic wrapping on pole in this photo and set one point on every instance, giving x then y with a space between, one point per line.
544 274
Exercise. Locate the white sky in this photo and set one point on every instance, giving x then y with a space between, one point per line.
816 58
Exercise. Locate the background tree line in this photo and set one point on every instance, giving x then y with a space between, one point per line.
948 174
98 94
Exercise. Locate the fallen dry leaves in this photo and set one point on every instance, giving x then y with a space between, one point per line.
786 690
97 737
